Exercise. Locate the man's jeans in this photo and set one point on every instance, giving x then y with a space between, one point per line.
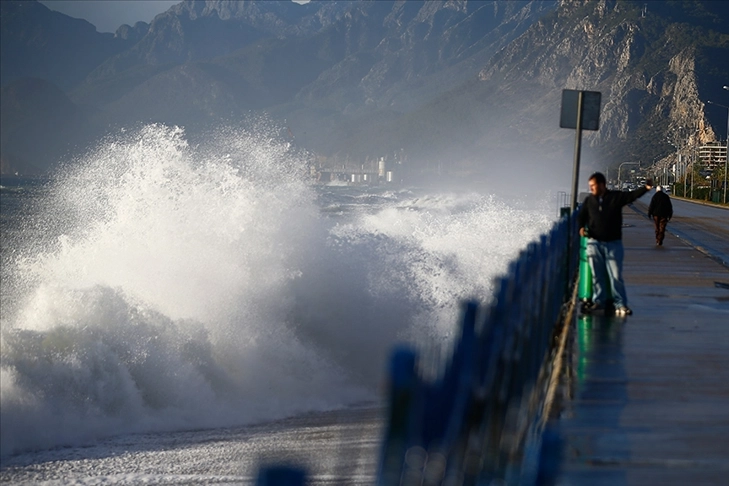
606 263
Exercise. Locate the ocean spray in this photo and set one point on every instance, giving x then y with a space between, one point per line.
171 286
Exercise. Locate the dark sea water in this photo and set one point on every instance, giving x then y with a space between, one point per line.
179 314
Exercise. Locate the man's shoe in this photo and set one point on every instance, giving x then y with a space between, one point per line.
591 308
623 311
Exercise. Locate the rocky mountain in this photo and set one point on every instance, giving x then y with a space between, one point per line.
656 65
38 42
458 85
301 61
195 32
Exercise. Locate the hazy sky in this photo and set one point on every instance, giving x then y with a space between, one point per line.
108 15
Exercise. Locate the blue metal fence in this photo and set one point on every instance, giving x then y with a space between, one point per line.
472 425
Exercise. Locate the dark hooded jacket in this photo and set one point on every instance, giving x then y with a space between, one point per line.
603 216
660 206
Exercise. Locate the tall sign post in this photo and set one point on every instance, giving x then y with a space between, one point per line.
581 111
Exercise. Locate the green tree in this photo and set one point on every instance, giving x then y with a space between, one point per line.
718 179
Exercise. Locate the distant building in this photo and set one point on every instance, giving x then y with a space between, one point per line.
371 171
712 155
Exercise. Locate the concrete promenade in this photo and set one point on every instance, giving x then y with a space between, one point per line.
647 396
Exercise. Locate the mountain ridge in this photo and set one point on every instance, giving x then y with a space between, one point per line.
459 82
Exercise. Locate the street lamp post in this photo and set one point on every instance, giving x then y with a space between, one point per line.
726 159
621 166
727 141
656 169
693 159
682 166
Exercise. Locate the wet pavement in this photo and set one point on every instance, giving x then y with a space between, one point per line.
648 395
703 225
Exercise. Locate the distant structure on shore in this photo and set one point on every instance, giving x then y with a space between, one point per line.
386 169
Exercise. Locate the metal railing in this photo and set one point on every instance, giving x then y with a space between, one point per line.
482 419
471 425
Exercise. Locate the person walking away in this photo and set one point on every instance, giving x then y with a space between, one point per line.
661 210
600 219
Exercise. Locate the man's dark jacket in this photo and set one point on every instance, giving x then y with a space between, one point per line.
603 216
660 206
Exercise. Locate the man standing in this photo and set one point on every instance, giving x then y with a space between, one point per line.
600 219
661 210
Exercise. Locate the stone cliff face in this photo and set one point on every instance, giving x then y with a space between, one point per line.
348 59
443 36
398 57
680 98
642 61
439 79
132 33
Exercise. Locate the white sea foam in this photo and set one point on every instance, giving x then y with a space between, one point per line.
175 286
